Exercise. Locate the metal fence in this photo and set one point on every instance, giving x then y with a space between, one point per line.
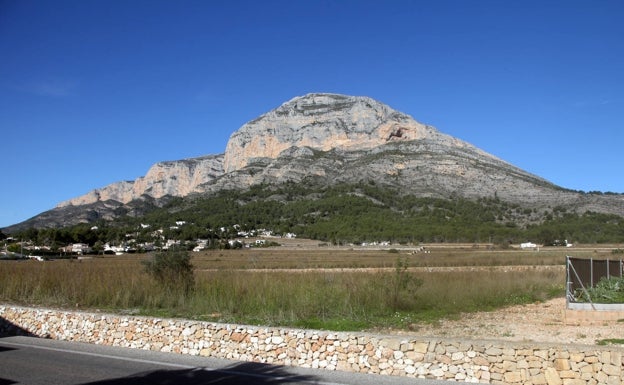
584 273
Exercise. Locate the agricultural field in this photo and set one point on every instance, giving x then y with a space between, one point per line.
305 284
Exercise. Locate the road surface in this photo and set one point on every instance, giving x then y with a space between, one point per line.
34 361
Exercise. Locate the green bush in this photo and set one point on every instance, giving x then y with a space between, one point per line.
607 290
172 269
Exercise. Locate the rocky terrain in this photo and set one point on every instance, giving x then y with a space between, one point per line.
322 122
174 178
325 139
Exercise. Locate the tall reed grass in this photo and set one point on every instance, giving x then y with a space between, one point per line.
331 299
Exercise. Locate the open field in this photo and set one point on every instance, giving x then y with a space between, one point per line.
306 254
305 286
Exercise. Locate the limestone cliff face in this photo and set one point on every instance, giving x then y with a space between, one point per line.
174 178
321 122
357 129
336 138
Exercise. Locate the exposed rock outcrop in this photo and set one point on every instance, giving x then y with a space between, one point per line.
322 122
174 178
348 138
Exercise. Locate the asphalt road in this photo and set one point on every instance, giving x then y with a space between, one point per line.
34 361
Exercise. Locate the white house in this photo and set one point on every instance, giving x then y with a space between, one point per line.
80 248
171 243
117 250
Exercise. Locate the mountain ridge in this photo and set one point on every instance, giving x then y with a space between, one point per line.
334 138
175 178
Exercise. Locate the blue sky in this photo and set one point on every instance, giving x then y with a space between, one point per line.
94 92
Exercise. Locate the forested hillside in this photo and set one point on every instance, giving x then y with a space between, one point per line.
350 213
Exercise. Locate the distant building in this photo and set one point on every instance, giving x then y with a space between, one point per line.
78 248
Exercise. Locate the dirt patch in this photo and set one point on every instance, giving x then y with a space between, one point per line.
540 322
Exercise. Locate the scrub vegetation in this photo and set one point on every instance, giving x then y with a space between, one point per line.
311 289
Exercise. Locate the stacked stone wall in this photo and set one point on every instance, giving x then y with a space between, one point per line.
494 362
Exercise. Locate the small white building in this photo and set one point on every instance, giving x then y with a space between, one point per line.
117 250
171 243
80 248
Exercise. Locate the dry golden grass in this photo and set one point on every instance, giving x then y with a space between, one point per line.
341 288
325 257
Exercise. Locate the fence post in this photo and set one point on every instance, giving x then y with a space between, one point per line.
591 272
568 282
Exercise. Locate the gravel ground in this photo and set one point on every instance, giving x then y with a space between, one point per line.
540 322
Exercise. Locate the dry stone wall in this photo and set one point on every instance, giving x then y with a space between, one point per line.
493 362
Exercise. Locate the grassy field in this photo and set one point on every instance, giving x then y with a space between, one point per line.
308 256
338 289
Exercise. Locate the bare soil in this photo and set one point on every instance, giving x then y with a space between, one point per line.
539 322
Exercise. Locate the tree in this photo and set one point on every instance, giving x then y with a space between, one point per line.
172 269
98 247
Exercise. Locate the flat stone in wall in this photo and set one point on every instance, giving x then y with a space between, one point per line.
492 362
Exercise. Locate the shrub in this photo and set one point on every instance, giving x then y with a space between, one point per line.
404 286
607 290
172 269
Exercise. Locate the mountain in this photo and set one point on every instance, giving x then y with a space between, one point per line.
325 139
174 178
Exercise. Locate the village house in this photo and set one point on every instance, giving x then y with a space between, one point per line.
76 248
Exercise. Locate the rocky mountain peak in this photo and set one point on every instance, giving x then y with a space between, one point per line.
322 122
328 139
